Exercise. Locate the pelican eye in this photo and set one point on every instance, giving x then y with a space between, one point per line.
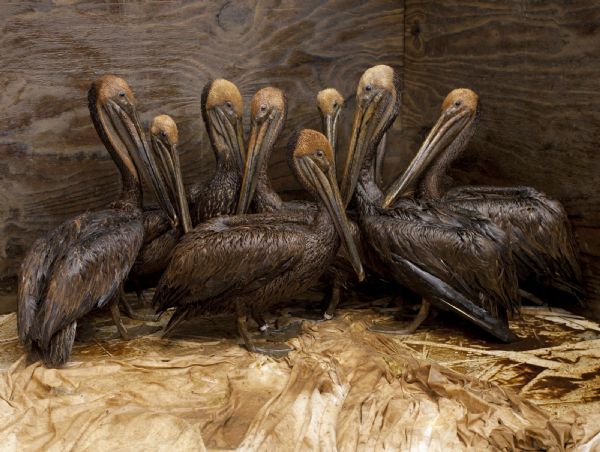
368 88
163 134
319 153
121 93
457 103
335 105
263 108
228 104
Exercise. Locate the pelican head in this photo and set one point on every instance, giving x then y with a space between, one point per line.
113 111
268 112
450 133
312 161
222 110
330 103
378 101
165 137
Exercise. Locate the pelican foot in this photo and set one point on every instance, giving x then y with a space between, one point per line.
276 350
144 317
401 328
129 312
314 316
398 328
289 331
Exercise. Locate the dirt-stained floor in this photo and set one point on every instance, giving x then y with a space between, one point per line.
446 387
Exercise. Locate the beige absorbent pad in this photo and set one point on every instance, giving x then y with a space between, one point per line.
343 388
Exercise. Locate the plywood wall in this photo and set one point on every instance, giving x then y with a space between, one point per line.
535 65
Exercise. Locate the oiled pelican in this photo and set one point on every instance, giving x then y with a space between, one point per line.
244 263
330 103
453 259
161 235
268 112
222 110
80 265
543 245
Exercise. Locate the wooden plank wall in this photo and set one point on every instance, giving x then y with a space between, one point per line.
52 165
534 63
536 67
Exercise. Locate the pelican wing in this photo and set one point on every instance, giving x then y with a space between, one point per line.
543 242
89 273
229 255
37 267
468 255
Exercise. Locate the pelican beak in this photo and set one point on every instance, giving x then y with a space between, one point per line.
125 122
330 124
441 135
231 133
368 120
261 141
326 186
168 156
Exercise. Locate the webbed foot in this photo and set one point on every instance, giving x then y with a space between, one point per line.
276 350
314 316
401 328
129 312
289 331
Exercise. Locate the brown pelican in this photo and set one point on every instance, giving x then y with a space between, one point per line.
244 263
268 112
453 259
80 265
222 111
330 103
543 245
160 235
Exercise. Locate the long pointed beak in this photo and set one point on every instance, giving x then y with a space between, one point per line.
330 121
327 187
139 150
240 149
233 134
379 159
184 210
444 130
258 145
169 158
363 130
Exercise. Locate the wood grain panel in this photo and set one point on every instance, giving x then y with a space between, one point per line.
53 166
535 66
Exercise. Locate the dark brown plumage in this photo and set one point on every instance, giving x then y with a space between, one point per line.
543 245
80 265
245 263
454 259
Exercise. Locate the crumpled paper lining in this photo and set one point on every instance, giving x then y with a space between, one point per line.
343 388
